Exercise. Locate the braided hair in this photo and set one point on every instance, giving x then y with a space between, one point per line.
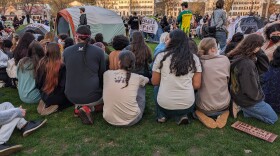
84 33
127 63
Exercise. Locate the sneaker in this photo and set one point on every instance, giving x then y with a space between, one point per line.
85 115
6 149
183 121
76 112
222 119
235 109
31 126
207 121
161 120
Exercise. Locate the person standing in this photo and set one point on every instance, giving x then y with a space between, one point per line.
83 17
185 17
219 20
134 23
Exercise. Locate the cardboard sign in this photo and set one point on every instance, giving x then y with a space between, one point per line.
249 26
149 25
256 132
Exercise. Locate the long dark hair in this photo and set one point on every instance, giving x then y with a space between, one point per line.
271 29
247 46
182 61
140 49
84 34
127 63
22 47
276 58
68 42
50 64
35 53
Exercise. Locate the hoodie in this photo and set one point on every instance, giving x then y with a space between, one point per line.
245 74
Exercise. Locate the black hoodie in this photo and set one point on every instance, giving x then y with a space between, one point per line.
245 74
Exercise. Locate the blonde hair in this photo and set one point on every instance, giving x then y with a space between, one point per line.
163 37
205 45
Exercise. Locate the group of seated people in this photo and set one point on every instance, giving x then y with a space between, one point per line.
189 81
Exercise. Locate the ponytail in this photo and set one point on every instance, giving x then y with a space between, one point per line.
128 75
127 63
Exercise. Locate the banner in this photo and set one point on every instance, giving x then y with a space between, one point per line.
149 25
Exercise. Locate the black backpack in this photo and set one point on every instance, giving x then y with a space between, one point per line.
1 26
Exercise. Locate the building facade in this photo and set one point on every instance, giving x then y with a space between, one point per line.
173 8
18 8
241 7
127 7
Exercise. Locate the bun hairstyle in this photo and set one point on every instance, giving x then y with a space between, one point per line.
205 45
127 63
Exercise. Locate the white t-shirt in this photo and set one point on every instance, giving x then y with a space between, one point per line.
175 92
3 59
120 105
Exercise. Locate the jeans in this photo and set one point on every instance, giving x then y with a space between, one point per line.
7 130
141 100
156 88
261 111
221 38
177 114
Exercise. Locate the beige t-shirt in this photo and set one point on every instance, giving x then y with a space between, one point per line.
213 95
175 92
120 105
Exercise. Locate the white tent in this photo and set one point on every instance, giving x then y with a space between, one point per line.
99 19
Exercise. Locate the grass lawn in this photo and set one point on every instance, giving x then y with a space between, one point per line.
65 135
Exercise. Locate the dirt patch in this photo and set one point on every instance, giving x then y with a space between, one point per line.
194 151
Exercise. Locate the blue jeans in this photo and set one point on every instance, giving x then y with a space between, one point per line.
221 38
261 111
161 112
156 88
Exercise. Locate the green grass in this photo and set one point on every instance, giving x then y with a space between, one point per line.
65 135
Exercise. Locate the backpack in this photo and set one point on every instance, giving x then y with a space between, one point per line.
1 26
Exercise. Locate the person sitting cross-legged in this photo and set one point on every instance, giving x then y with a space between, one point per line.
11 117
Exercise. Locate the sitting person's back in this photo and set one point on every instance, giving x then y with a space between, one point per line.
177 72
213 97
50 80
123 108
85 65
84 73
27 90
119 43
271 84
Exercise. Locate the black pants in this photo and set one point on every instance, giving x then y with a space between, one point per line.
4 77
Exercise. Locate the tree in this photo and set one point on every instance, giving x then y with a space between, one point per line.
228 5
28 5
197 7
170 6
4 4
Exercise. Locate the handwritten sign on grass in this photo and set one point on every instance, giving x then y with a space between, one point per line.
254 131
